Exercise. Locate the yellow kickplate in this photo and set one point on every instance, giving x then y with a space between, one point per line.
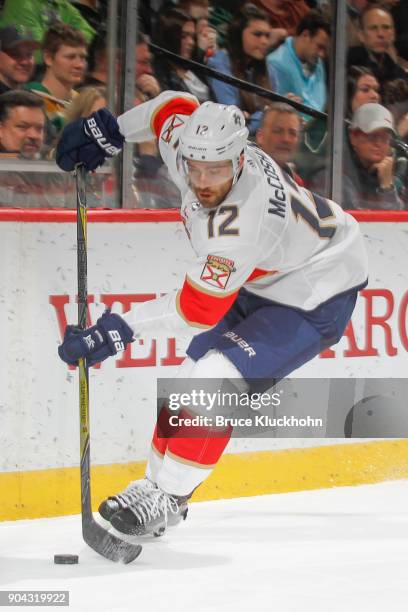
56 492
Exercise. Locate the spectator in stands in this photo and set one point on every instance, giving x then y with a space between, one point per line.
354 8
97 75
221 13
369 181
88 101
22 129
146 81
377 35
16 58
285 14
279 136
244 57
176 32
39 15
206 35
22 125
197 9
299 62
362 88
65 53
206 40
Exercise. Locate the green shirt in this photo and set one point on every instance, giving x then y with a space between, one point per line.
38 15
54 110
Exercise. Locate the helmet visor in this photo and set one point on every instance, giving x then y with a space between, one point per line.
202 174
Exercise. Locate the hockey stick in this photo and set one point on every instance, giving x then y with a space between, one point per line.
103 542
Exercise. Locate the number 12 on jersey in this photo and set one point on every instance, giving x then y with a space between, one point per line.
323 210
230 213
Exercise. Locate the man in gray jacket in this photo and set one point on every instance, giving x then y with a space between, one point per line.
369 180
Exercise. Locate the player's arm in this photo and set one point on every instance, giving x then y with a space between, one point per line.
209 290
146 121
91 140
163 118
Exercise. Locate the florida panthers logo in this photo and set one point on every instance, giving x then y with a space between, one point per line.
168 132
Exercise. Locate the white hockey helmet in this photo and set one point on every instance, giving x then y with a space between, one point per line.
214 132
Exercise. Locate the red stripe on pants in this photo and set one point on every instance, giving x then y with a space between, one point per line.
199 444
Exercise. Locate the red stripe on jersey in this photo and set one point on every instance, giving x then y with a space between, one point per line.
199 307
181 106
201 445
258 272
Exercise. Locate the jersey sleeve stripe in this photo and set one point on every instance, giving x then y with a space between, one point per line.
259 273
180 106
189 322
199 308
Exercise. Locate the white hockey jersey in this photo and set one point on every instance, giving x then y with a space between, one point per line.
269 235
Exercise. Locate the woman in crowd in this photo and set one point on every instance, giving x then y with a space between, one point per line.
362 88
176 31
247 44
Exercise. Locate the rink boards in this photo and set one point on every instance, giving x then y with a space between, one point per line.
135 256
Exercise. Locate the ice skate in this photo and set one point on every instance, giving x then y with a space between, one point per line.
143 508
120 501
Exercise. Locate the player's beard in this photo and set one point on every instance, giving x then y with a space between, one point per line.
210 197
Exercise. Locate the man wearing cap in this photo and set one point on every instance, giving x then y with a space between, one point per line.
369 181
16 58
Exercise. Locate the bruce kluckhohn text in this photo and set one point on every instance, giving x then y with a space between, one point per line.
258 420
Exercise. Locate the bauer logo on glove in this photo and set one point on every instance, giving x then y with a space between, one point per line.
91 127
89 141
109 336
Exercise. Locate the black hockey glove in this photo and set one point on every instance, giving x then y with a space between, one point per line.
89 141
110 335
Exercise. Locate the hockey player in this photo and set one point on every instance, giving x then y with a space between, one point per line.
275 279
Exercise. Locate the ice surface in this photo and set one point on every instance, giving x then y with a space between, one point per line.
333 550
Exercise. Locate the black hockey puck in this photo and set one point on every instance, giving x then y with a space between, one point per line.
66 559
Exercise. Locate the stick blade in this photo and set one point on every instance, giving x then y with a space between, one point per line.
108 545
